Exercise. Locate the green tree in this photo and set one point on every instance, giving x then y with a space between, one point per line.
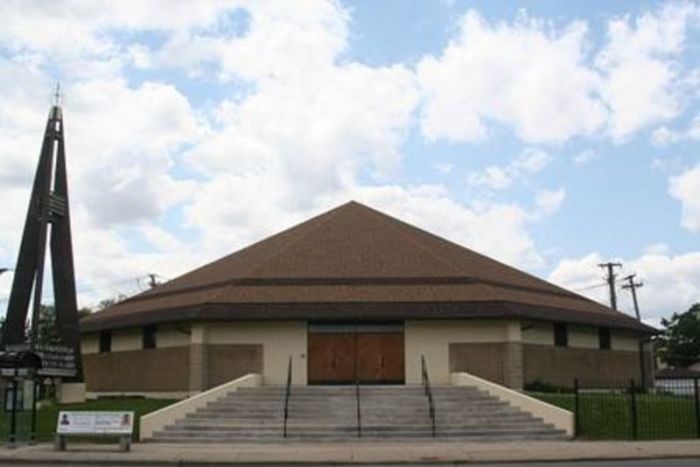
679 345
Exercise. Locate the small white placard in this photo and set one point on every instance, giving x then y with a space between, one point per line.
118 423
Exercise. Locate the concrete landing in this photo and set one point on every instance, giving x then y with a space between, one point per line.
375 453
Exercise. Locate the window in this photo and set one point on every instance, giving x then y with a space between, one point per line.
561 336
149 337
604 338
105 342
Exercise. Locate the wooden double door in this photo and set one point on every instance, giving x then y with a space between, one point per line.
342 353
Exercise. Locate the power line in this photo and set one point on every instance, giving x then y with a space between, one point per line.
594 286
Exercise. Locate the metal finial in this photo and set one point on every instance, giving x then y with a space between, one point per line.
57 95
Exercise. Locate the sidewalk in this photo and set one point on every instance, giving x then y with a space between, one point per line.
352 453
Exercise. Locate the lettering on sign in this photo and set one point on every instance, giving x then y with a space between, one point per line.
56 360
100 423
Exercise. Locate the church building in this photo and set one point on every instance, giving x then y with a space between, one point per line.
354 294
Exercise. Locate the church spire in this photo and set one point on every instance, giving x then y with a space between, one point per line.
48 205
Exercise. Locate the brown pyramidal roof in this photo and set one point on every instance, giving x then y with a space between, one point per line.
355 263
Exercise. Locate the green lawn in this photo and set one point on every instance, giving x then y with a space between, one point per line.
609 415
46 417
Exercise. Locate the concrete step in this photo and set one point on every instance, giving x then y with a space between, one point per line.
330 413
349 434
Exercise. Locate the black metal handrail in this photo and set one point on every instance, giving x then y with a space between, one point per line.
287 393
359 414
425 380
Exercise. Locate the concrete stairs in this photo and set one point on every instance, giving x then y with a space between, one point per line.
329 413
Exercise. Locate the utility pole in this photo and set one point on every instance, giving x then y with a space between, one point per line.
632 286
611 281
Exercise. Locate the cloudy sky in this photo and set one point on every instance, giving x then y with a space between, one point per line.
550 135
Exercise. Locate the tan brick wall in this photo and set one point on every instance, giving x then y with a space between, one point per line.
138 370
184 368
501 363
432 339
485 360
198 367
227 362
560 365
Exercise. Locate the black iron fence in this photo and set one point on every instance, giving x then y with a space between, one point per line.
668 409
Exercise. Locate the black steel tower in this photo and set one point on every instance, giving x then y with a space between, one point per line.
48 218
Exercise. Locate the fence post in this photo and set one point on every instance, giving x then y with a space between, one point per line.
633 409
577 410
697 406
13 415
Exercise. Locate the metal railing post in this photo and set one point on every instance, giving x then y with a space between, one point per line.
425 379
287 392
32 433
359 412
13 415
633 409
697 406
577 410
357 389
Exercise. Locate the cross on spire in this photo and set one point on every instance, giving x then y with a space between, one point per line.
57 94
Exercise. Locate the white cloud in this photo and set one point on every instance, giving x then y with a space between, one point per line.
548 202
283 39
663 135
539 80
444 167
671 282
120 155
75 27
530 161
584 157
527 75
642 79
686 188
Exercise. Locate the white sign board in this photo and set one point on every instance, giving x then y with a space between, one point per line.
107 423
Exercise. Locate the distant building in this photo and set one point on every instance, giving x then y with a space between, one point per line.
355 293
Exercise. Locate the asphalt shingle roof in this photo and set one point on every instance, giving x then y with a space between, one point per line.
354 262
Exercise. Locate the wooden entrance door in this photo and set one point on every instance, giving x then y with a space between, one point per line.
380 358
331 358
339 353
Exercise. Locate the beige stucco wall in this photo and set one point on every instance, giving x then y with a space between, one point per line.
538 333
585 337
89 344
432 339
624 341
127 339
279 339
167 335
172 335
